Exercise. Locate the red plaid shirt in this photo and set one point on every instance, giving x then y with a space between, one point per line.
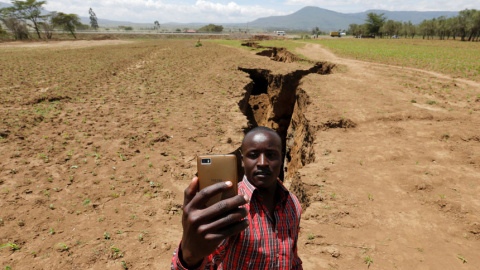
265 244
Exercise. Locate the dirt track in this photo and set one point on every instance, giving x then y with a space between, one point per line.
379 176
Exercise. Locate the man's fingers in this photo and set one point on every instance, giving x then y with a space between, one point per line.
205 194
215 211
229 231
190 191
229 218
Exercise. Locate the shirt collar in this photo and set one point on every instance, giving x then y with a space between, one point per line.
249 189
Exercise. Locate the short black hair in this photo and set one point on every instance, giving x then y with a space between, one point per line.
259 129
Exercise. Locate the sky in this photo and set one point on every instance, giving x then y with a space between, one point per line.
235 11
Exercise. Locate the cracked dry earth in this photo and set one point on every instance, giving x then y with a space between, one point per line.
104 162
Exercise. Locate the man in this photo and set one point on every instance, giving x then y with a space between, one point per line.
258 229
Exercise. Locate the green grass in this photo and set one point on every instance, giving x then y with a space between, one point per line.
368 261
459 59
462 258
231 43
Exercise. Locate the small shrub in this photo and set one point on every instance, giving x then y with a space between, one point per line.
368 261
462 258
13 246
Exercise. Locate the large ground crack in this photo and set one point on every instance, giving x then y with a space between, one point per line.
280 55
277 102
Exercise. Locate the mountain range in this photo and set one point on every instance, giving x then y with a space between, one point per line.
303 19
310 17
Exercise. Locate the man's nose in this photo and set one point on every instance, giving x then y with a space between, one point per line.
263 161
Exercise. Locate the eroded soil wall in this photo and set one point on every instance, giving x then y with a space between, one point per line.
277 102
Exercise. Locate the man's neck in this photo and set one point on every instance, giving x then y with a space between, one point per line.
269 197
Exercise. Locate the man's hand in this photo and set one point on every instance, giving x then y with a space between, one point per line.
205 228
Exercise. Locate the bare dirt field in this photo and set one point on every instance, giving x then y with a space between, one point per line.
62 44
98 143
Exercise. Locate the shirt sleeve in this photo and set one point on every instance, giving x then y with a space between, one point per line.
177 263
297 262
208 263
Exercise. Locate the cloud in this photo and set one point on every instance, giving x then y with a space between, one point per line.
392 5
164 11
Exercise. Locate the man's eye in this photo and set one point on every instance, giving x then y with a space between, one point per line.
272 155
252 155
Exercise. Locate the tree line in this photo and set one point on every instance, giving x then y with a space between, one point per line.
466 26
30 13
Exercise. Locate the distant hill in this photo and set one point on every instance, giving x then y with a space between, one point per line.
310 17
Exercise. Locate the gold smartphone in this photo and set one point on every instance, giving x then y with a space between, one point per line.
213 169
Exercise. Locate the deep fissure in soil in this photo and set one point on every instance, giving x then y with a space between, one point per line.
277 102
280 55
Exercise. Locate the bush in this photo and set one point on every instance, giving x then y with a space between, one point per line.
18 27
211 28
2 31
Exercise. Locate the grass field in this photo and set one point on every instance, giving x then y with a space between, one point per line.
459 59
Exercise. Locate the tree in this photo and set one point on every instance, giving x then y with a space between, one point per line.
355 29
473 25
2 32
47 26
427 28
476 21
388 28
374 22
29 10
211 28
17 26
412 29
68 22
462 22
441 27
93 19
316 31
156 25
405 29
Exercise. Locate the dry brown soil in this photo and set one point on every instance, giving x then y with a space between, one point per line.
63 44
379 176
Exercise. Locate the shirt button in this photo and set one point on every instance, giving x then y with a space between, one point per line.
277 255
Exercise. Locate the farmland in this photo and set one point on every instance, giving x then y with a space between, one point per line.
98 142
459 59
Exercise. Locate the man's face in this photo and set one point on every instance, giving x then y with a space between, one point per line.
262 159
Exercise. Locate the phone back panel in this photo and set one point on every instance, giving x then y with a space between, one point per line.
218 168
